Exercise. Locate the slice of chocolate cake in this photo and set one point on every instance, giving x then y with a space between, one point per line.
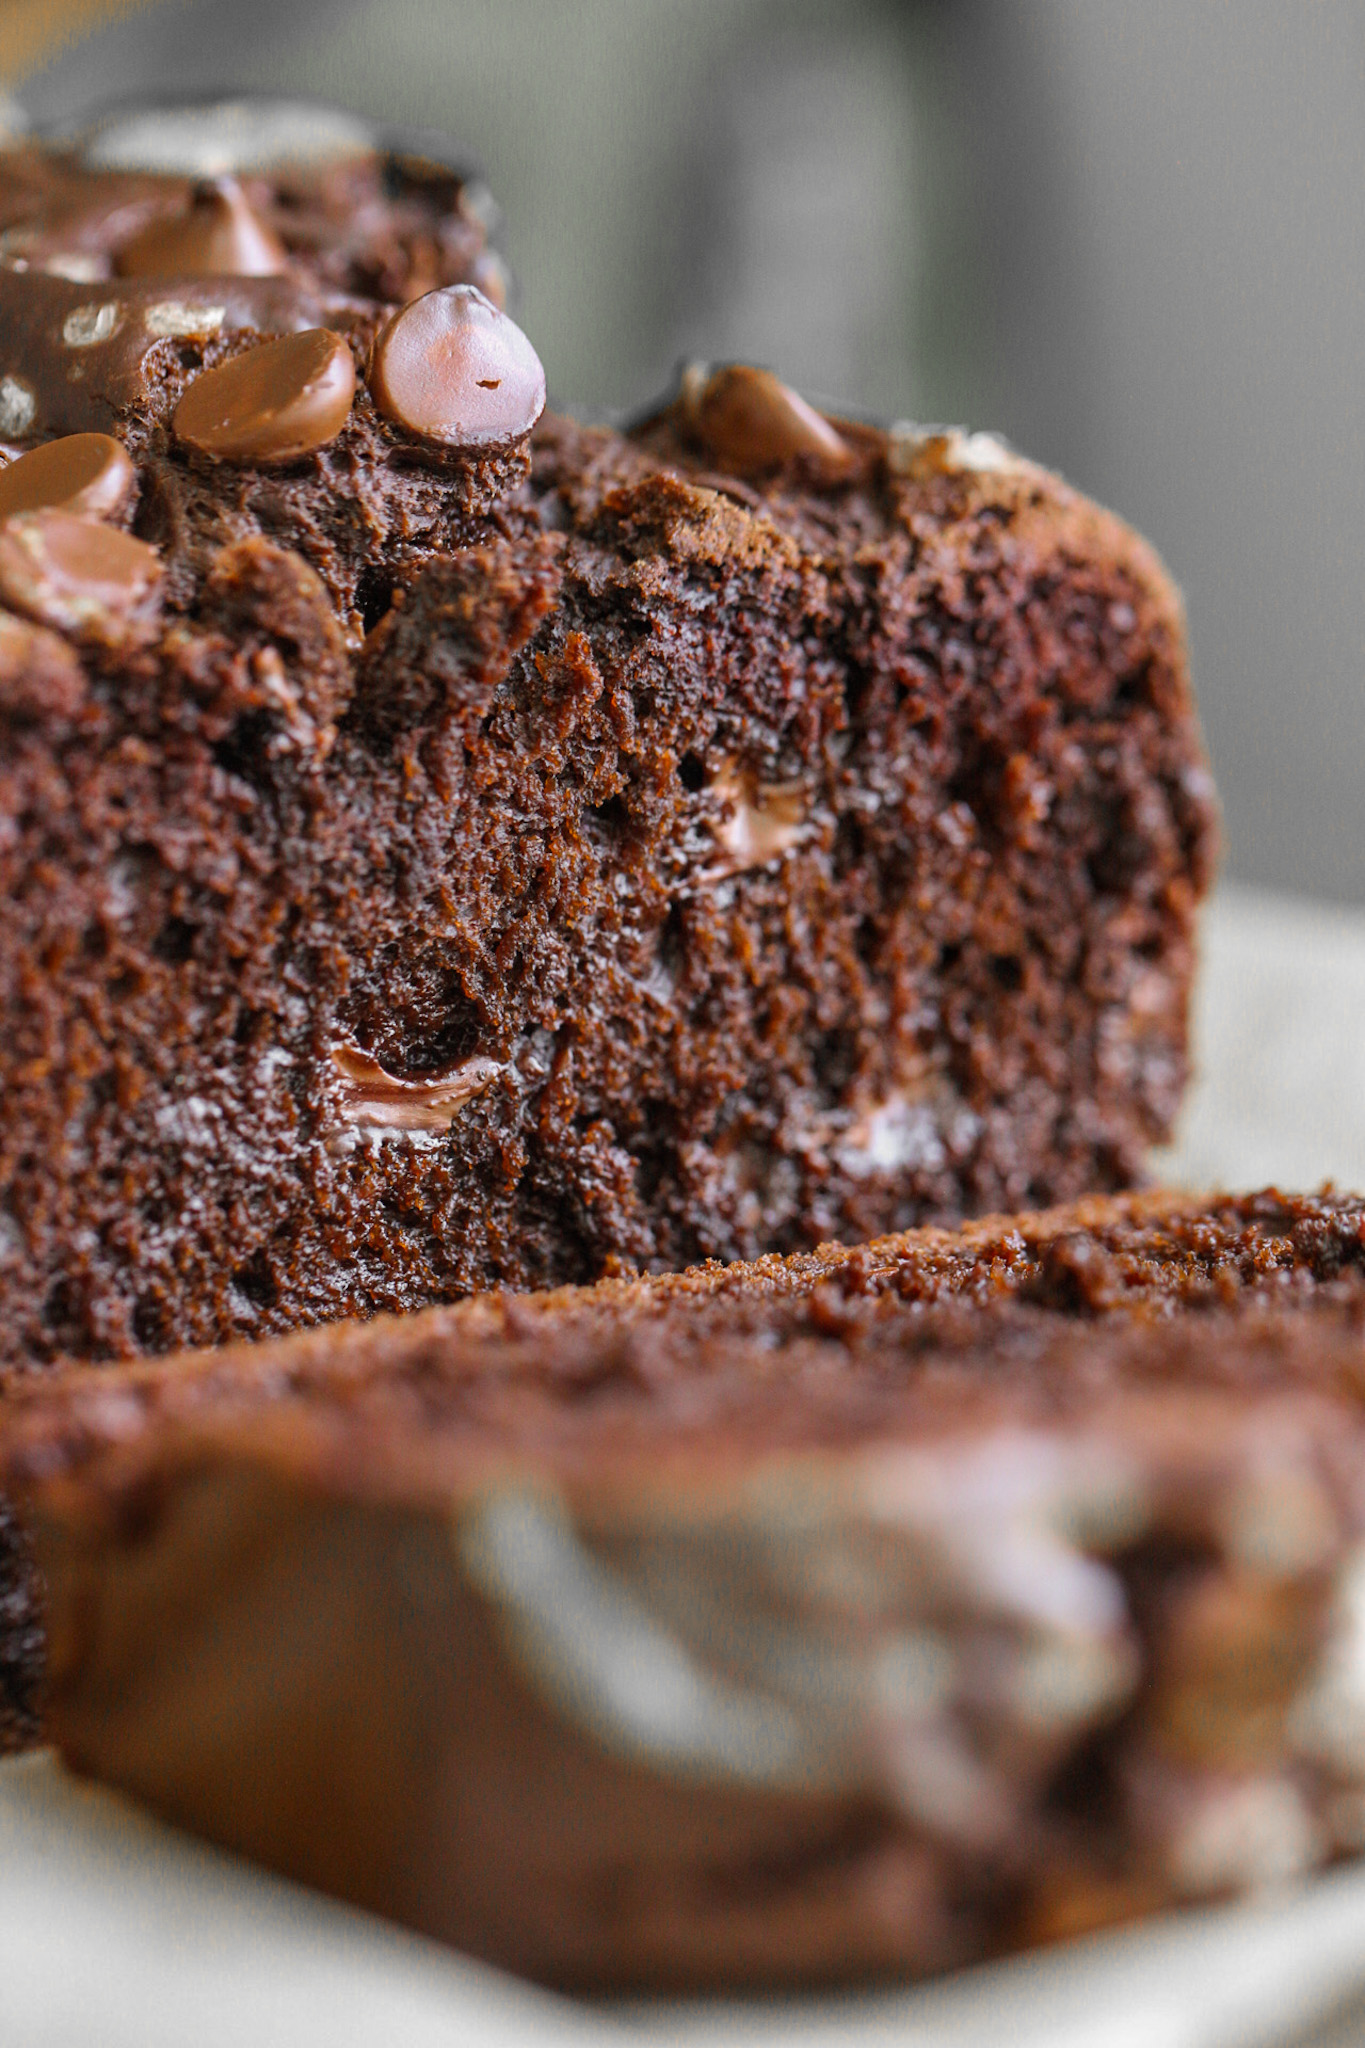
867 1612
432 858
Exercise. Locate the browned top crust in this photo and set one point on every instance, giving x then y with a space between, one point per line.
1051 1319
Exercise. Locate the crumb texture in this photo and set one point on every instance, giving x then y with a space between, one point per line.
806 869
437 854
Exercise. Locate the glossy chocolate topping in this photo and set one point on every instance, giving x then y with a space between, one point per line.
86 473
453 369
280 400
77 575
77 357
751 421
218 236
41 677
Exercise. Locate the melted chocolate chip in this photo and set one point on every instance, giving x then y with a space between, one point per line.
85 473
40 676
752 421
83 578
758 821
219 236
453 369
278 401
378 1101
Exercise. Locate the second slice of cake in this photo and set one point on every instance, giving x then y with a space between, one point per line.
870 1611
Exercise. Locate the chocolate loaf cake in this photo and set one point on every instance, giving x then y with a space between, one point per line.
434 855
867 1612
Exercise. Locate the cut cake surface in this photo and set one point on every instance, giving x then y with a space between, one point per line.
495 865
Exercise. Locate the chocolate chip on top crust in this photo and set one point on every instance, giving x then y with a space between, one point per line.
218 236
77 358
750 421
191 236
41 681
79 576
451 368
90 474
280 400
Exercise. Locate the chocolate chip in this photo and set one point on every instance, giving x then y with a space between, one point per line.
751 421
453 369
87 473
40 676
282 399
83 578
220 236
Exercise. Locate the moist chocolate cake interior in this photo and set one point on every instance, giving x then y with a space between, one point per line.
445 848
459 889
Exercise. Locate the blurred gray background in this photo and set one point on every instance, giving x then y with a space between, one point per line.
1132 237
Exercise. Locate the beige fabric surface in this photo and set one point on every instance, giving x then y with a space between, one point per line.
1280 1047
118 1933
